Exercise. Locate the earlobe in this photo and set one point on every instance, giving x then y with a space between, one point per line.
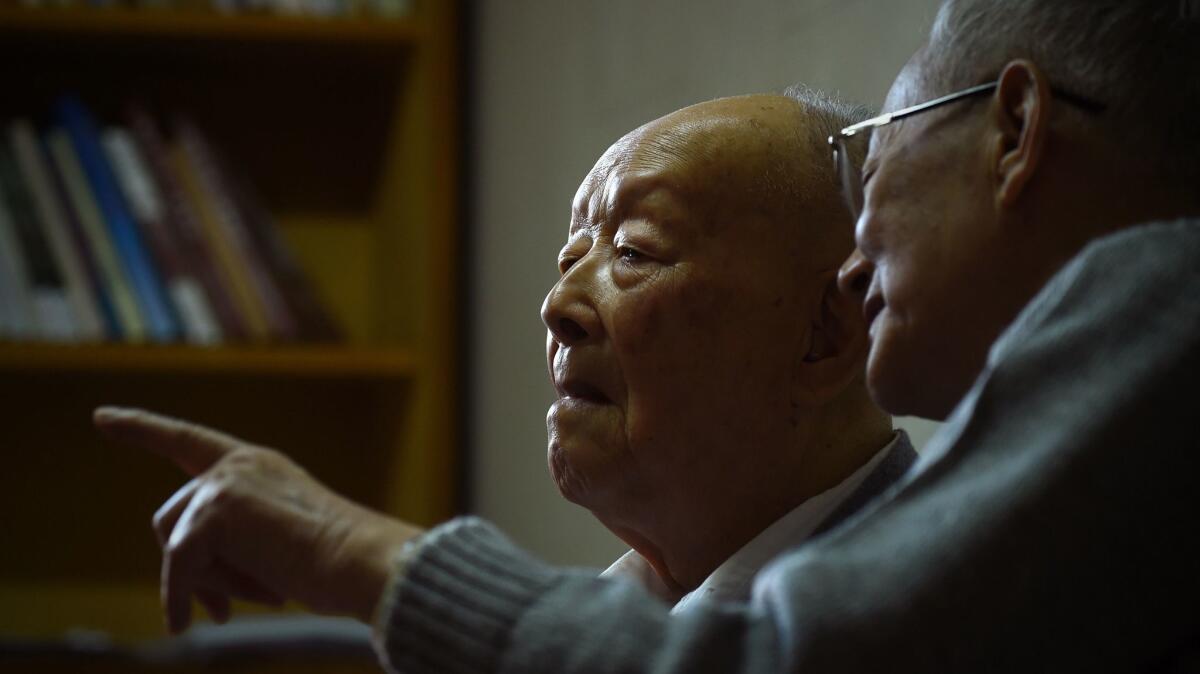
1019 113
838 345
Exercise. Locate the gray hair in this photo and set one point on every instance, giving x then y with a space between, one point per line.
827 115
1141 58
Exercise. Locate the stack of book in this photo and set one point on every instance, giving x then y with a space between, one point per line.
125 233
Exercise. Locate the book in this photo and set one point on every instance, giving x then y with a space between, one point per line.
19 322
149 292
231 266
88 322
111 328
47 293
314 323
183 221
146 204
10 299
127 318
234 227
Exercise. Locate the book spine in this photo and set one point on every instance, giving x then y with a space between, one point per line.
183 221
52 313
8 300
280 322
127 318
314 323
33 163
14 281
94 280
148 289
232 268
200 327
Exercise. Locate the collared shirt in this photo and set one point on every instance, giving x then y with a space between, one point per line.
732 580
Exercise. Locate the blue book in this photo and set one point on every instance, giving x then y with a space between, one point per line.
108 315
162 323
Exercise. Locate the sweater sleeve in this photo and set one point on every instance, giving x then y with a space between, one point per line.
1047 527
471 601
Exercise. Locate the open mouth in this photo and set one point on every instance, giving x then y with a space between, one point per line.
583 391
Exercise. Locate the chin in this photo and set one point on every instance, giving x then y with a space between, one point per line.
901 384
596 480
572 484
585 450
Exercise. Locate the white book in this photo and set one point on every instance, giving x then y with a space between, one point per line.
112 274
47 294
199 322
20 322
81 304
53 315
142 194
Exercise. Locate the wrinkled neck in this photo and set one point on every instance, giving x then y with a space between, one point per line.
687 533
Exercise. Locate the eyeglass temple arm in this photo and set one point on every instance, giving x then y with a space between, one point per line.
888 118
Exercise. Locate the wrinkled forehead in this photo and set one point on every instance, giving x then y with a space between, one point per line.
657 175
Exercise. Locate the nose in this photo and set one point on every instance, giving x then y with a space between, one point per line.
854 278
569 311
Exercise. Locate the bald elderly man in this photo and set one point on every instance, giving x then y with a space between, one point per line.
712 411
711 406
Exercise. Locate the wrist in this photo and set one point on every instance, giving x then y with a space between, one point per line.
382 548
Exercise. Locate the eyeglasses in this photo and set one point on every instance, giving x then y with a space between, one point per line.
851 178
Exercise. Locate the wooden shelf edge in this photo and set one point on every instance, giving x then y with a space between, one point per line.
341 362
127 611
118 22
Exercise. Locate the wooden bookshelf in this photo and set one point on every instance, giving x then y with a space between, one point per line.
348 128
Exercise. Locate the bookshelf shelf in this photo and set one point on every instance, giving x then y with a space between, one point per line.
300 362
113 23
348 130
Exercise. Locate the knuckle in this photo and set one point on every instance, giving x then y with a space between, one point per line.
244 456
222 494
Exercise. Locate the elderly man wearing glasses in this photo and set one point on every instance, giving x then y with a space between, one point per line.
1029 267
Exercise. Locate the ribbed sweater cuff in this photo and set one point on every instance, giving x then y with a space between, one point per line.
453 605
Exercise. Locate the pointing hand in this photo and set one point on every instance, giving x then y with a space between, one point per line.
253 525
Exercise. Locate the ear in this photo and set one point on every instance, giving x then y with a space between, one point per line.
1019 115
838 344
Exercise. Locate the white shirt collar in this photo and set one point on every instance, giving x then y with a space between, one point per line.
732 580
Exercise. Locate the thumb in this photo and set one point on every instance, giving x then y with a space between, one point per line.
192 447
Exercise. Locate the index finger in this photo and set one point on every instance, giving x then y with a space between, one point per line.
192 447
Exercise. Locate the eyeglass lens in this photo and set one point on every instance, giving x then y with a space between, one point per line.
849 177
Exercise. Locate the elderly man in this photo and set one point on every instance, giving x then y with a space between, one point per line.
712 409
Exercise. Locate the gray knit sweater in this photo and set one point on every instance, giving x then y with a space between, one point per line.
1048 527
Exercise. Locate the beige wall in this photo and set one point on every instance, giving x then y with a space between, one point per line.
557 81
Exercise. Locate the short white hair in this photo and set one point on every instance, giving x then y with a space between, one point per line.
827 115
1141 58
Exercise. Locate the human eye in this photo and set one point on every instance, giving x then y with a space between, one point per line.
630 254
